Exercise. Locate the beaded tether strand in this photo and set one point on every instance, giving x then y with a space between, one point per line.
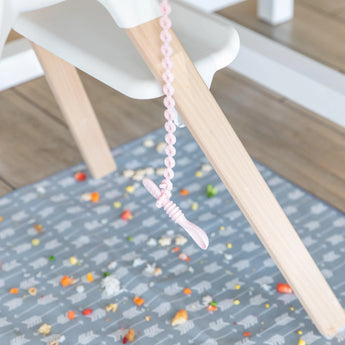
163 193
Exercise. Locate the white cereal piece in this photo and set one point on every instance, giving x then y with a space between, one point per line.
148 143
180 240
128 173
160 147
164 241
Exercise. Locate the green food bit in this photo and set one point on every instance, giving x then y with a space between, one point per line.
52 258
129 238
106 274
213 303
211 191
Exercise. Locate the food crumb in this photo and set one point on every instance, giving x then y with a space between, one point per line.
247 334
117 204
184 192
180 318
44 329
32 291
180 240
198 174
130 189
284 288
164 241
35 242
195 206
138 301
111 307
71 315
187 291
14 291
237 302
301 342
95 196
87 311
126 215
73 260
184 257
130 336
89 277
80 176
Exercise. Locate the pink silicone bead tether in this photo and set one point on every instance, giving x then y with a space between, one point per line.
163 193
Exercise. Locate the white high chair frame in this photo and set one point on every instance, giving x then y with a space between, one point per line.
209 127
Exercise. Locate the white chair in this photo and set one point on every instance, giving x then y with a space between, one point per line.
82 33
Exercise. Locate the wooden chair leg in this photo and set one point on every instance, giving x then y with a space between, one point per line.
75 105
217 139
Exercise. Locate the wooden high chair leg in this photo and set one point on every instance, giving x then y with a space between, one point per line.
217 139
75 105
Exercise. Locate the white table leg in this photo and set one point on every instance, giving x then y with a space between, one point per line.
275 12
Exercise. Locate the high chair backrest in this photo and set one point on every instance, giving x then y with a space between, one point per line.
126 13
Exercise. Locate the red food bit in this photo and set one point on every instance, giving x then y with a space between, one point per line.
247 334
176 249
126 215
184 192
87 311
80 176
284 288
184 257
212 307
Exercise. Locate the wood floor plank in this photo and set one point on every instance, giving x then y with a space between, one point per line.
311 32
32 145
122 119
296 143
328 6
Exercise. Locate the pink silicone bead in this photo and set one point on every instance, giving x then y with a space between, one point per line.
169 102
168 173
170 127
169 162
168 77
170 150
169 114
166 36
168 89
170 139
167 63
165 22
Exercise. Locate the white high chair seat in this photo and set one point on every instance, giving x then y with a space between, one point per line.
83 33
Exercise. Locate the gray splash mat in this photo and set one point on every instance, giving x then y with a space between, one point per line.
96 235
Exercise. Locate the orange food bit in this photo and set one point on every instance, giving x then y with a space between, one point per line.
180 318
184 257
284 288
94 197
14 291
38 228
184 192
66 281
130 336
187 291
247 334
138 301
211 307
107 319
176 249
71 314
89 277
126 215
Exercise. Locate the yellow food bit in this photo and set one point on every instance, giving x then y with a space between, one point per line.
73 260
198 174
89 277
237 286
130 189
44 329
195 206
54 342
111 307
299 332
1 219
32 291
117 204
301 342
236 302
222 228
35 242
180 318
148 318
292 308
267 305
229 245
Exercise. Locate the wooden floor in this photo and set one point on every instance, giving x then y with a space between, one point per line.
317 30
301 146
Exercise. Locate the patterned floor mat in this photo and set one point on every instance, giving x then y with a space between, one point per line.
51 229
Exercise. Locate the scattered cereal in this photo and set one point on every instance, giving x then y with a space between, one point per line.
95 196
229 245
87 311
117 204
73 260
195 206
106 274
160 147
212 307
38 228
44 329
164 241
267 305
184 192
86 197
221 228
71 315
237 302
138 301
187 291
89 277
237 286
284 288
206 167
292 308
160 171
211 191
66 281
180 240
1 219
299 332
198 174
184 257
157 272
51 258
35 242
126 215
175 249
148 143
247 334
180 318
128 173
32 291
130 336
80 176
54 342
111 307
148 318
301 342
129 238
130 189
14 291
